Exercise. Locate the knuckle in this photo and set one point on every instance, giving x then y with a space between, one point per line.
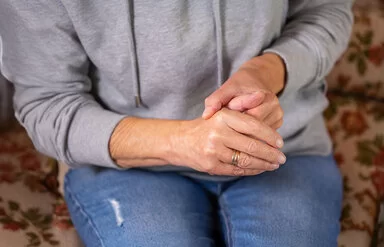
252 147
280 113
209 151
279 124
275 101
213 137
244 160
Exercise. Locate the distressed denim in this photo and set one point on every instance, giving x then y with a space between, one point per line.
297 205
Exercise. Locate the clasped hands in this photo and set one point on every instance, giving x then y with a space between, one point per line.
242 115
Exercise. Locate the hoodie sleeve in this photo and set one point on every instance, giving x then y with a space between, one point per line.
314 36
44 59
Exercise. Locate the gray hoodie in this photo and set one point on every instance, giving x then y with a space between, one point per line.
80 66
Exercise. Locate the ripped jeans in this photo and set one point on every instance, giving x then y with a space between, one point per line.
297 205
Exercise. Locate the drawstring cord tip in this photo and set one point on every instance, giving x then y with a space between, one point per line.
138 101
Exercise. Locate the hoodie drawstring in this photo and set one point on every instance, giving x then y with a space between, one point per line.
133 54
219 41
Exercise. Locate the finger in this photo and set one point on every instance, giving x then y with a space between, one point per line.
223 169
248 101
277 124
246 161
276 115
262 111
218 99
254 148
252 127
271 118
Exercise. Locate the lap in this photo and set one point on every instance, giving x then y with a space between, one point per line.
296 205
138 208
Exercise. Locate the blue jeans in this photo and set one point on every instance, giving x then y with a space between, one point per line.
296 205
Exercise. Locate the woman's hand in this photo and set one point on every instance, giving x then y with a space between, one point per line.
253 90
208 145
268 111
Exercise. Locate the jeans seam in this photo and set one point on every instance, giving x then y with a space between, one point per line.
85 214
227 221
218 189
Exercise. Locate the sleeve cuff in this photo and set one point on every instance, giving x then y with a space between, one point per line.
88 140
299 63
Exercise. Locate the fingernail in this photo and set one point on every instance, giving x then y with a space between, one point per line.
282 159
279 143
275 166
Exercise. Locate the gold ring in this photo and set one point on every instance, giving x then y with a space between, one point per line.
235 157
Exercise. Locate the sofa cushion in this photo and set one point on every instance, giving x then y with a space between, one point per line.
356 128
32 212
360 69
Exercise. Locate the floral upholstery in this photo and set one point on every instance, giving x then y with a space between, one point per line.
33 212
357 130
369 3
355 120
360 69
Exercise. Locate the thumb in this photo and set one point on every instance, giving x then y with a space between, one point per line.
217 100
245 102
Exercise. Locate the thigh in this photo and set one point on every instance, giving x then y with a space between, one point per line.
138 208
297 205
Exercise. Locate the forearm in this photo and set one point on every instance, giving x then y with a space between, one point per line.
138 142
315 35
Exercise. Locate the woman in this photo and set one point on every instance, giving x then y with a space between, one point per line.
116 90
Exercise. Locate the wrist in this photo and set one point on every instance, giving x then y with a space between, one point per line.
275 66
143 139
117 144
176 142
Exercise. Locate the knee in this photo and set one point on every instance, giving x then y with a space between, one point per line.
312 218
318 185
